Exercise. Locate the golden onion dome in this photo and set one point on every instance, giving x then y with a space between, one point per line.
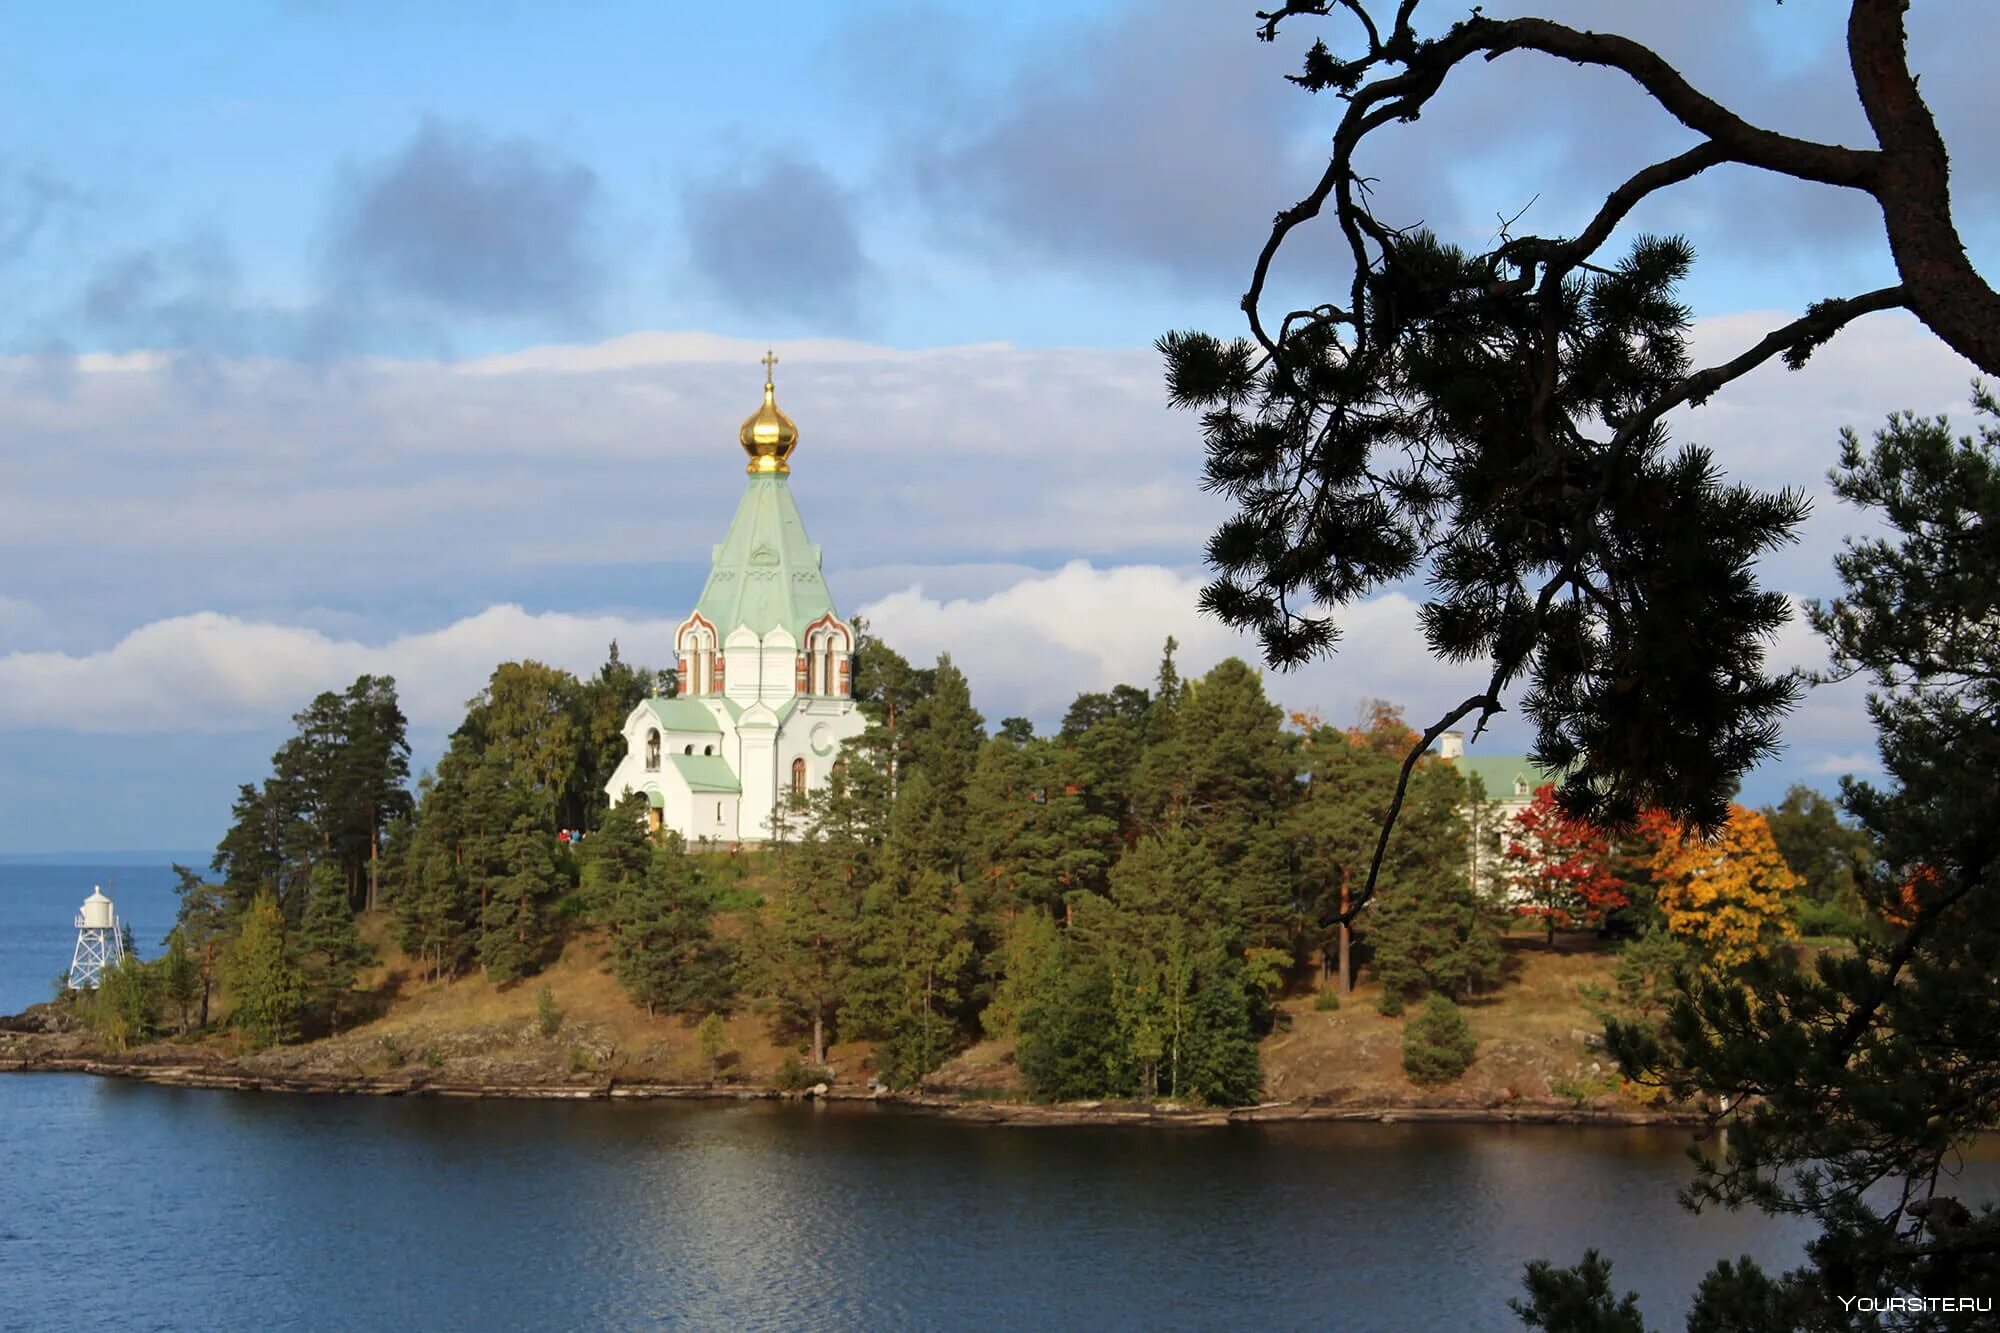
768 435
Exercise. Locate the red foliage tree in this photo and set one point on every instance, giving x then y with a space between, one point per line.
1559 868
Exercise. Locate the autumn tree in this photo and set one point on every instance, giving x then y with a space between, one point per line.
1558 866
1728 897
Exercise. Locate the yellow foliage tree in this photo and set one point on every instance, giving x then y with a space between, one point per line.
1726 896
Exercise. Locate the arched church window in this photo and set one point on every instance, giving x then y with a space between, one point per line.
652 749
687 749
798 777
706 749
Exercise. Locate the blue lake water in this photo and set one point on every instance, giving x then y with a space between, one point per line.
134 1206
38 906
124 1205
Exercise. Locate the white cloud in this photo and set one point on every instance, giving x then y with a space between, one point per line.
1032 647
209 672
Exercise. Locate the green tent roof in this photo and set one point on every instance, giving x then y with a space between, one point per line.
1498 772
704 772
683 715
766 572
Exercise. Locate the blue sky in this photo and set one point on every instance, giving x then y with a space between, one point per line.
344 336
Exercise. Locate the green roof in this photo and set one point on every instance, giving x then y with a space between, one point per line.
704 772
1497 773
683 715
766 572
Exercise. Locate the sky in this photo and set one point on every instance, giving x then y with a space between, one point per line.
411 338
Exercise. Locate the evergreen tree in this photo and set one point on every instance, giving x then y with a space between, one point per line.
180 978
515 922
1434 938
201 922
664 951
912 947
603 703
329 944
1437 1044
1858 1079
616 861
803 945
264 980
947 749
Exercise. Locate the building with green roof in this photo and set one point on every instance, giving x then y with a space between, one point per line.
765 680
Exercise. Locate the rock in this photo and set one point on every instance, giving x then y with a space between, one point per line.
818 1090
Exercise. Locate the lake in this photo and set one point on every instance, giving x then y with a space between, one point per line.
134 1206
131 1205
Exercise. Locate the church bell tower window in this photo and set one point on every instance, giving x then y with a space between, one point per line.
652 749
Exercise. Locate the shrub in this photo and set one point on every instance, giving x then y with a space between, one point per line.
1826 919
1437 1044
1326 1002
547 1016
794 1075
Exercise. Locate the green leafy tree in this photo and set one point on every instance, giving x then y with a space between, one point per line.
264 980
123 1010
526 720
1831 857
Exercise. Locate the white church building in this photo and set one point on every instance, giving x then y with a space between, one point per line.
765 696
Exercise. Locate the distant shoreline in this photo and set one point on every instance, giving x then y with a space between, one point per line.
123 860
972 1110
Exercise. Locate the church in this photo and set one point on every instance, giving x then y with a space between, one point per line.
766 668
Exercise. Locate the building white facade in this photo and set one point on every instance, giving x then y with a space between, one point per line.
1503 785
766 667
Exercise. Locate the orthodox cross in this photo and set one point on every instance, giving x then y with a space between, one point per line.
769 361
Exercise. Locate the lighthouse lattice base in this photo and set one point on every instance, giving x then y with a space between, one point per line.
97 947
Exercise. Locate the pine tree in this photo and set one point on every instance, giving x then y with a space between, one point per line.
1437 1044
264 978
180 978
201 921
515 925
331 950
664 951
912 947
947 750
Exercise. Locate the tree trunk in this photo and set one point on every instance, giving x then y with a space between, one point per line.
374 858
819 1039
1346 944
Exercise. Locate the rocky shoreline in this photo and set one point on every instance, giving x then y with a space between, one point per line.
225 1076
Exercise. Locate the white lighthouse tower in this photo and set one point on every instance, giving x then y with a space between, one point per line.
99 944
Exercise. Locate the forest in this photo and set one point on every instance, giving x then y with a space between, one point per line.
1126 898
